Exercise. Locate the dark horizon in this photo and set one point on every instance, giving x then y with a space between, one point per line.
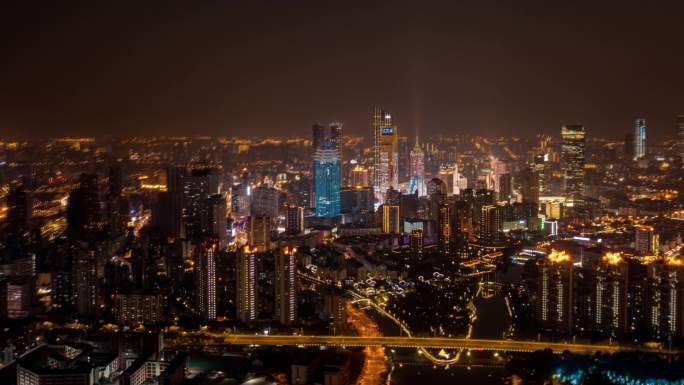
266 68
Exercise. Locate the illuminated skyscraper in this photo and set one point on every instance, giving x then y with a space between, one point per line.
417 242
572 160
286 285
205 278
555 292
491 225
359 177
639 138
317 136
336 136
385 154
327 172
259 233
646 240
246 282
417 170
87 290
444 231
610 295
390 219
448 173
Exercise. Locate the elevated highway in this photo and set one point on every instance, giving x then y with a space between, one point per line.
407 342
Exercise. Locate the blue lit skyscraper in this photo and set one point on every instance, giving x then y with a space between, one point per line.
639 138
327 174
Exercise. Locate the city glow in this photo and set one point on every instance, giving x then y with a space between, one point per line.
558 256
612 258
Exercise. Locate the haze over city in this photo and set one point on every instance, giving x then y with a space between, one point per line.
270 68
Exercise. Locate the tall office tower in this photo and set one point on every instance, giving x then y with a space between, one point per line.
539 166
356 200
295 220
385 154
680 134
499 168
240 199
265 202
448 175
246 282
83 209
336 136
359 177
86 286
491 225
205 278
666 299
216 223
417 170
555 289
572 160
390 219
404 162
417 242
200 185
444 231
505 187
327 172
462 220
610 295
286 285
646 241
19 209
317 136
259 233
639 138
530 186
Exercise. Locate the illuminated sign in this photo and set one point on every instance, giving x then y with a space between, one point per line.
387 130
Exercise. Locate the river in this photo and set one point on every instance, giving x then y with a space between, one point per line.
492 321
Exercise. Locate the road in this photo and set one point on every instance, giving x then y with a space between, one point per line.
411 342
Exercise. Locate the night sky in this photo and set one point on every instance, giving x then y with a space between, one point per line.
250 67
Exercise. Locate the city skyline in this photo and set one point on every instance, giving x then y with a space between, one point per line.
342 193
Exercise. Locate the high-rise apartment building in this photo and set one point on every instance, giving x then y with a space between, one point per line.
555 292
491 224
390 219
665 309
259 233
295 220
610 295
205 278
246 285
286 285
646 240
